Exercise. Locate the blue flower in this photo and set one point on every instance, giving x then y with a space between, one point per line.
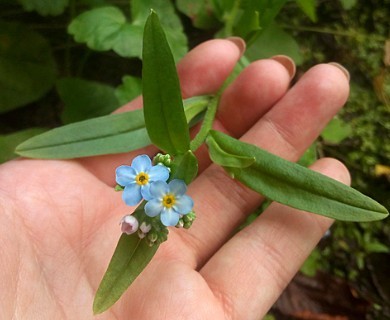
169 200
137 179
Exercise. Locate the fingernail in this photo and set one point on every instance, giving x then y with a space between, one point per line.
239 42
345 71
287 62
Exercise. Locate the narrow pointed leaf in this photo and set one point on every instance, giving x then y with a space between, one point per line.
185 167
131 256
8 142
225 159
163 109
103 135
114 133
294 185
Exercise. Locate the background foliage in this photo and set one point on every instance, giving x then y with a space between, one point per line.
63 61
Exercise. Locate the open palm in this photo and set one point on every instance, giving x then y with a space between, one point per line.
59 219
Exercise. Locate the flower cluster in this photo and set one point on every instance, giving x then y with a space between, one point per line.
167 200
137 179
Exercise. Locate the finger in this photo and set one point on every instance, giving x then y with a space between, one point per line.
258 87
286 130
201 71
264 257
253 93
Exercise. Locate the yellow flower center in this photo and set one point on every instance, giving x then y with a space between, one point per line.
142 178
168 200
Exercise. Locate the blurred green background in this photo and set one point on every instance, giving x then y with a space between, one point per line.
63 61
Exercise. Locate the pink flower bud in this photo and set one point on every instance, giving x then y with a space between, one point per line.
129 224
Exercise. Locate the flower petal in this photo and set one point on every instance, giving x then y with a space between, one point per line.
141 163
125 175
184 204
158 189
132 194
153 207
177 187
145 191
169 217
158 172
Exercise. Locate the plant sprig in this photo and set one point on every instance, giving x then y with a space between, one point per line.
277 179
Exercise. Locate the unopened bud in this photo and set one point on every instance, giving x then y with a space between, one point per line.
145 228
180 223
152 236
188 219
129 224
163 159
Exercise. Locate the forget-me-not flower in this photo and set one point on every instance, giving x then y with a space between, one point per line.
169 200
137 179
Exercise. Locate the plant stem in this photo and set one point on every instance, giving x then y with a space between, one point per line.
213 106
207 123
231 18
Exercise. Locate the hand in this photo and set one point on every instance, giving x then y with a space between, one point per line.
59 219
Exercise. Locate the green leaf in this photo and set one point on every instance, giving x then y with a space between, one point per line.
177 39
195 107
248 26
309 8
131 256
98 27
127 41
310 156
273 41
85 99
115 133
376 246
185 167
268 10
106 28
336 131
8 142
45 7
296 186
226 159
220 7
312 264
103 135
130 88
27 67
163 107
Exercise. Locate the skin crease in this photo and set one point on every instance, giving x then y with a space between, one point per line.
59 219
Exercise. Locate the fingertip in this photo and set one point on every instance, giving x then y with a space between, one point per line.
286 62
256 89
239 42
329 80
341 68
